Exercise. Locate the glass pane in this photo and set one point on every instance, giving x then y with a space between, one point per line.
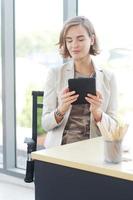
113 26
1 137
38 24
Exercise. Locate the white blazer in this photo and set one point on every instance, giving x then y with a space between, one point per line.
57 80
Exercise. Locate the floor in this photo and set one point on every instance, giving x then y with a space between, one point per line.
12 188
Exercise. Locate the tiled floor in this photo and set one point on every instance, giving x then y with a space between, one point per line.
12 188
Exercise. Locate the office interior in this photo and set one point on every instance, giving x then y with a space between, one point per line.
29 36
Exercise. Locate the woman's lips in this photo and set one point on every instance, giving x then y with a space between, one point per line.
76 51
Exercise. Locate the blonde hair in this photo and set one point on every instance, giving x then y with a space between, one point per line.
75 21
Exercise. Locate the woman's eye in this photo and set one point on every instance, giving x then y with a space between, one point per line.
69 41
81 39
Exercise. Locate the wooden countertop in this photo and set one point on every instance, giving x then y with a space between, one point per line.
87 155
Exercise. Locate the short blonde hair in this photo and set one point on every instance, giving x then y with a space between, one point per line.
78 20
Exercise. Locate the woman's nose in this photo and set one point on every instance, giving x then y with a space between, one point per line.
75 43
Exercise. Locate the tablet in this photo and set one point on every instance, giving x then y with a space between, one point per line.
82 86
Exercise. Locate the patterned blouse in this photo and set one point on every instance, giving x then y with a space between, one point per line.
78 125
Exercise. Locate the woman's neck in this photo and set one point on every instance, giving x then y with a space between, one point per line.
84 66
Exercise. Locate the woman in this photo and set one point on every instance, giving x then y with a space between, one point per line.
66 123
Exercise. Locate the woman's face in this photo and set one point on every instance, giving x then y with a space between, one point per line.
78 42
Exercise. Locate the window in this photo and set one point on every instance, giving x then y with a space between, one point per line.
112 21
38 24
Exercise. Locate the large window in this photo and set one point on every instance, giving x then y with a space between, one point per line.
112 21
1 137
38 24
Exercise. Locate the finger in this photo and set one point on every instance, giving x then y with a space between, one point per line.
73 101
65 100
68 94
94 101
65 91
91 96
98 96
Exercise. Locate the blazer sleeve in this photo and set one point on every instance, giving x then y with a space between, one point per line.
50 101
109 118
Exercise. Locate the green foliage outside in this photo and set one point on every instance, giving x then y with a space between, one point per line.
26 45
25 117
39 117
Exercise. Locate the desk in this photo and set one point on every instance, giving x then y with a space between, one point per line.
77 171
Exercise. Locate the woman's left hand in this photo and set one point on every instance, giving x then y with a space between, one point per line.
95 105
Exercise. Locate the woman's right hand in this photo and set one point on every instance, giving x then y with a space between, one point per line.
67 98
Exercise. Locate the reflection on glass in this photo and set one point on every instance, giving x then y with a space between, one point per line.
36 50
1 137
116 41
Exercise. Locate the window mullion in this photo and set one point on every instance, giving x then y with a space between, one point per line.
8 83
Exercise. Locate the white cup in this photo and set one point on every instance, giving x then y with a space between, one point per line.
113 151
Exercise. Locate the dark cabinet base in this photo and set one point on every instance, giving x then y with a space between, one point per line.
55 182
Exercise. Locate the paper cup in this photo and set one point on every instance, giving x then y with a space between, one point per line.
113 151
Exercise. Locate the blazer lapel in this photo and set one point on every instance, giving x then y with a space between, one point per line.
68 73
99 80
100 85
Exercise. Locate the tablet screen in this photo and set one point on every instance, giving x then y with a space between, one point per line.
82 86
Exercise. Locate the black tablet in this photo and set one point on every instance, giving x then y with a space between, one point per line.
82 86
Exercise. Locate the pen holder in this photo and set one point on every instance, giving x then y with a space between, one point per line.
113 151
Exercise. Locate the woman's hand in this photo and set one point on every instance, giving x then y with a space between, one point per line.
95 105
66 99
